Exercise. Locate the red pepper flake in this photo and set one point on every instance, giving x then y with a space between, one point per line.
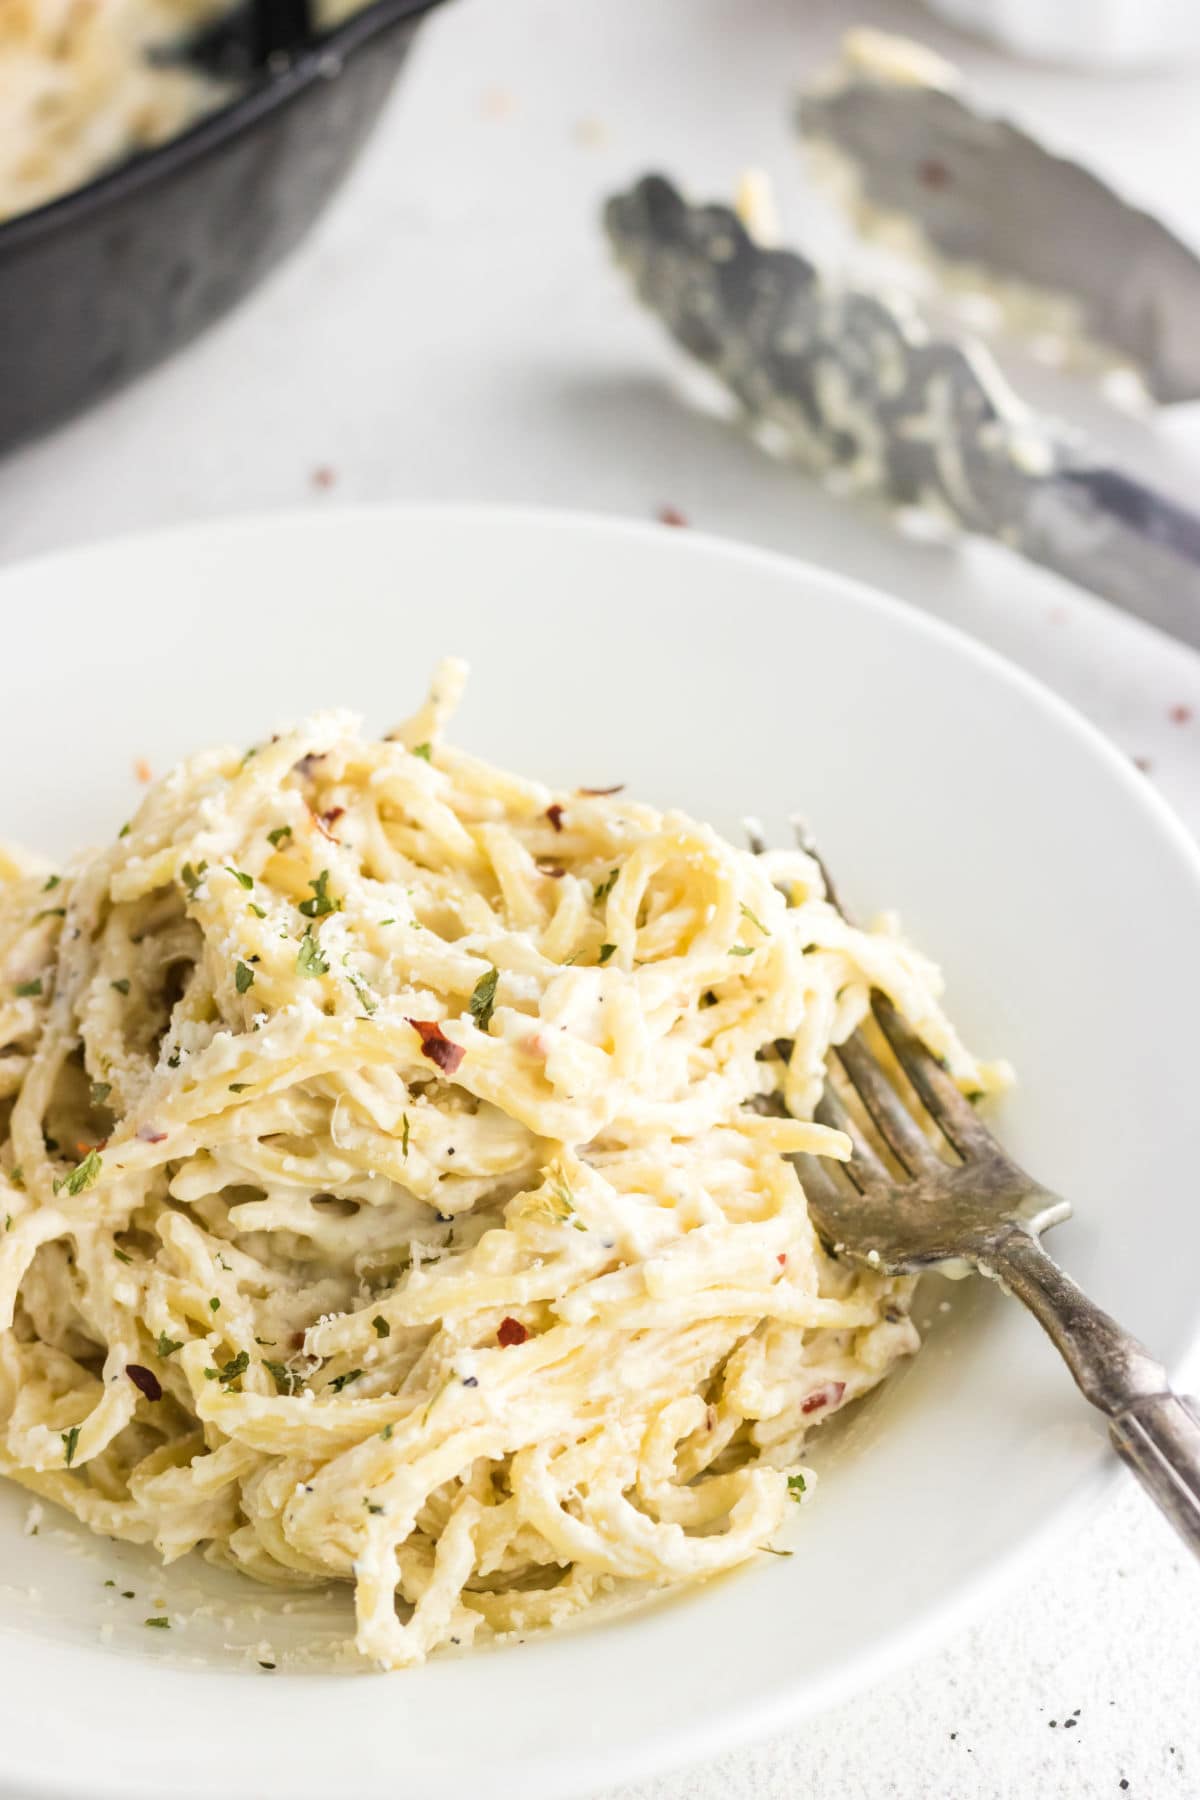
324 477
145 1380
618 787
932 174
321 826
148 1135
142 770
671 515
296 1341
554 870
333 815
1180 715
1143 763
781 1258
555 814
511 1332
437 1046
308 763
829 1395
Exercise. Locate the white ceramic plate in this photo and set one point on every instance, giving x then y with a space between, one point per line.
1059 894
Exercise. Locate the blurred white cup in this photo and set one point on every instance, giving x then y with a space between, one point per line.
1100 34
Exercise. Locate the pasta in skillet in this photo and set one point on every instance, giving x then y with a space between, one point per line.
386 1192
84 84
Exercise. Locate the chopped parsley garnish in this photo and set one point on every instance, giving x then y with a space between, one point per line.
231 1371
560 1203
239 1087
382 1328
483 999
121 986
366 998
125 829
52 882
50 912
26 990
741 950
322 901
372 1506
276 837
158 1624
797 1486
386 1433
123 1257
167 1346
605 887
404 1135
424 751
100 1092
606 950
754 920
247 881
387 921
243 977
70 1439
18 1176
82 1176
192 877
286 1380
310 961
214 1304
341 1381
260 912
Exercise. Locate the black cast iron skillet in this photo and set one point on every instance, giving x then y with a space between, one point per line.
101 284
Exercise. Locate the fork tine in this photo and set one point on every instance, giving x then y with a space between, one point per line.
892 1119
755 840
823 1189
807 842
947 1106
941 1096
866 1165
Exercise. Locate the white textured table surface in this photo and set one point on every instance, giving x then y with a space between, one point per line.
452 331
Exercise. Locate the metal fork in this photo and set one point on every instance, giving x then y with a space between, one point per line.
962 1198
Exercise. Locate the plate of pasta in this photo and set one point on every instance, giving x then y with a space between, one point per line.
409 1309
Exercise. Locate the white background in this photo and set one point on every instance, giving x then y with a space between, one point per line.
452 330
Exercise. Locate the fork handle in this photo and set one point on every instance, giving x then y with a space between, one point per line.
1154 1431
1159 1439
